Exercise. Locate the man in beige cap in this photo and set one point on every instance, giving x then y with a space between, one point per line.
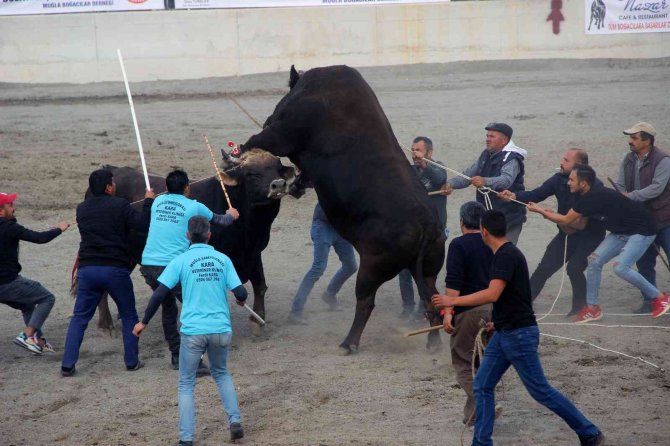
643 176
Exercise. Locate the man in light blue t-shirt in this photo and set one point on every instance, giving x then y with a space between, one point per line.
170 214
205 275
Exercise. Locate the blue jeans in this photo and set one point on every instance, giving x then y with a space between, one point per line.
93 282
192 348
629 248
647 263
324 236
518 348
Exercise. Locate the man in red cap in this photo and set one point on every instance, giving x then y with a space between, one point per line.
29 296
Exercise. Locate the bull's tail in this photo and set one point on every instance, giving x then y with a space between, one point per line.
73 277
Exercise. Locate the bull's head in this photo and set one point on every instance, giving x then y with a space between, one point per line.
263 174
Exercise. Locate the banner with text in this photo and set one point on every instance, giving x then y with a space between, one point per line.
21 7
204 4
626 16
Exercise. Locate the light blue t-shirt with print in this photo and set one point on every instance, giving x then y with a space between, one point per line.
170 214
205 276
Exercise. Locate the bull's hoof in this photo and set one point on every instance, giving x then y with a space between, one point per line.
256 329
345 349
434 344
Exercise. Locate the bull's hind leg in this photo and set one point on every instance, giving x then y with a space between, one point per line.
366 289
257 279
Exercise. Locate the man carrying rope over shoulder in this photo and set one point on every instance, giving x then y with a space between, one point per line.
468 271
167 239
515 339
632 230
580 243
499 167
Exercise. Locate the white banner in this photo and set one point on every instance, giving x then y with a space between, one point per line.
19 7
626 16
203 4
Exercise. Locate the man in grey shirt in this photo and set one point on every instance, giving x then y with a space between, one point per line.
643 176
499 167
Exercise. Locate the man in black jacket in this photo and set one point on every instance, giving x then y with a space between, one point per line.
29 296
104 265
581 243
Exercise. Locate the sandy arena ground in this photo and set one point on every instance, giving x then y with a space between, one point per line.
293 386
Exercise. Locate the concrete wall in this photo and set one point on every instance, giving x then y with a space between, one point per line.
81 48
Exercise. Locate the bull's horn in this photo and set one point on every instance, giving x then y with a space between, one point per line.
228 161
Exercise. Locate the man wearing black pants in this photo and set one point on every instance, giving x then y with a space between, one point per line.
581 243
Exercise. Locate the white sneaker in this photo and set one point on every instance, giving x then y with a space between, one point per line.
30 343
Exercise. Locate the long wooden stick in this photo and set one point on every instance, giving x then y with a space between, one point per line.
424 330
218 172
254 314
132 112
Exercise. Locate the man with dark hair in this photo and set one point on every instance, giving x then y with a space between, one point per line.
29 296
468 271
499 167
632 230
515 339
580 243
432 178
170 214
205 275
643 176
104 223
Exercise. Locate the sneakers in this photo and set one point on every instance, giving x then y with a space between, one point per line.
332 302
588 314
644 308
660 305
236 431
596 440
297 319
66 372
46 347
135 367
30 343
574 311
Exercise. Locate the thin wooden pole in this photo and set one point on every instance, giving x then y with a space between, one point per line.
218 172
424 330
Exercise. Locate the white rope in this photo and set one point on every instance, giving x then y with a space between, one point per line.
560 289
591 324
603 349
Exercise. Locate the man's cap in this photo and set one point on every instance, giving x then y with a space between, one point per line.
641 127
6 198
500 127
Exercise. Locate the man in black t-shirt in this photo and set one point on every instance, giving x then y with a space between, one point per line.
468 271
515 339
632 230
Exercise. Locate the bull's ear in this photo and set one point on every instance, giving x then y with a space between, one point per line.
294 77
287 172
227 179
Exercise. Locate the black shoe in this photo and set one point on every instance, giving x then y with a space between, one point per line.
133 368
202 370
175 361
573 312
596 440
185 443
236 431
645 308
66 372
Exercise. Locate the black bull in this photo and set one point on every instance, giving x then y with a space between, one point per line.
255 184
332 127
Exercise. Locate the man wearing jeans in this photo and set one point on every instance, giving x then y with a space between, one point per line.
104 265
323 237
29 296
515 339
632 230
643 177
205 275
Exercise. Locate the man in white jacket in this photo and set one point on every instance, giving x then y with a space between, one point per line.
499 167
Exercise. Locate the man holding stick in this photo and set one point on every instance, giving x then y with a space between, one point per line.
580 243
515 339
166 240
632 230
643 177
205 275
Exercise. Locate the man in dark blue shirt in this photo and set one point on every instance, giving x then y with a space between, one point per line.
468 271
580 243
515 339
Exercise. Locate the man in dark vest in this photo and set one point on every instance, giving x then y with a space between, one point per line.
499 167
643 176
